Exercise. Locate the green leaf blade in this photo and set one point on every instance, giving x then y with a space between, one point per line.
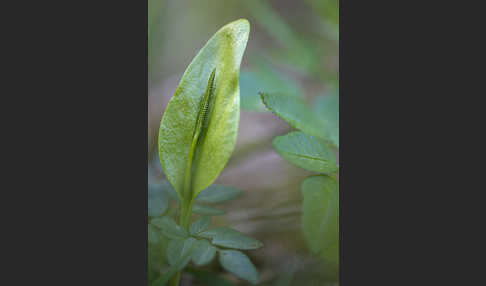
177 265
320 218
207 211
327 108
179 249
294 111
306 151
222 52
239 264
200 225
218 194
153 234
169 228
264 77
230 238
203 252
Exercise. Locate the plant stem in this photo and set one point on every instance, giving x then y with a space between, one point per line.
185 222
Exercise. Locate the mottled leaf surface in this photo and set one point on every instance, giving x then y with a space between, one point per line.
320 218
306 151
222 52
239 264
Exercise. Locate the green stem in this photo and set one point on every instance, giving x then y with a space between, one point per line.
185 222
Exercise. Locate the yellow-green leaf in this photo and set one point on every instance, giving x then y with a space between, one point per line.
192 165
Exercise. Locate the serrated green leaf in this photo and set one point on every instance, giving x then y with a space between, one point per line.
177 248
218 193
327 108
239 264
169 228
190 174
227 237
200 225
203 252
208 211
158 200
306 151
295 111
320 219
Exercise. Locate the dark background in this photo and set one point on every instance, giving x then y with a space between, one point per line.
75 118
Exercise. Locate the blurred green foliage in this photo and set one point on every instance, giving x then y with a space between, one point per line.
293 50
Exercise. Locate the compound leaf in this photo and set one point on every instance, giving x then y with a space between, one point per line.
169 228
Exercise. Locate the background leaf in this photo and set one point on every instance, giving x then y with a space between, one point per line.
227 237
218 193
222 52
327 108
264 77
177 265
200 225
158 200
320 218
295 111
203 252
306 151
205 210
153 234
169 228
177 249
239 264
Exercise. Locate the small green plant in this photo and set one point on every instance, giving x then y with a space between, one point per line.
313 148
196 138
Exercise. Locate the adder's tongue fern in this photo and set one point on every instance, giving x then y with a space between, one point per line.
202 123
